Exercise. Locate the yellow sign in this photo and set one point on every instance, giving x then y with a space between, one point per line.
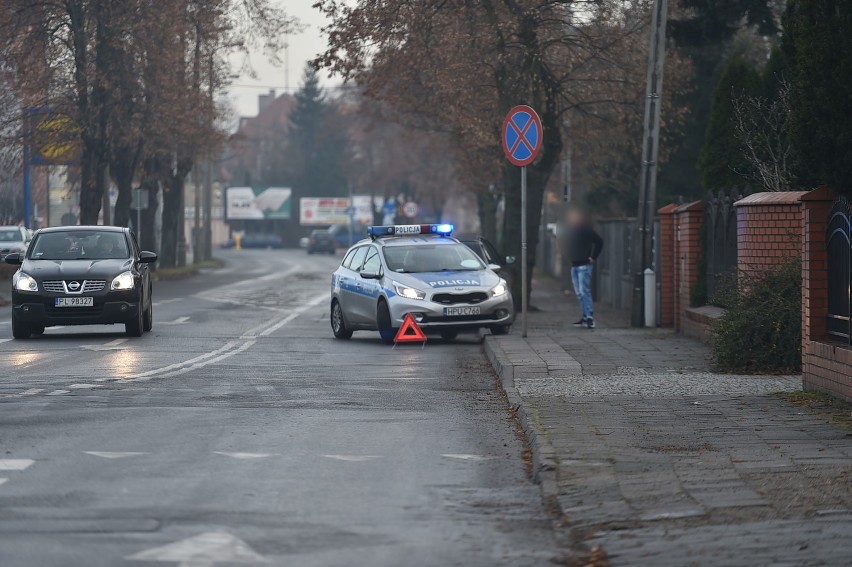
55 140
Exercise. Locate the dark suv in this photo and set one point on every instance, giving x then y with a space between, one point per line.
321 241
82 275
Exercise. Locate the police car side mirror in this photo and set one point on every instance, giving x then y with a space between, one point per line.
494 267
14 258
370 275
510 260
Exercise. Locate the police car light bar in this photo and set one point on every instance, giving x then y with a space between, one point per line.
410 230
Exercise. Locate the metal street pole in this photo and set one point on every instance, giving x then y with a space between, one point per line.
524 251
27 189
139 215
208 213
196 227
643 238
351 207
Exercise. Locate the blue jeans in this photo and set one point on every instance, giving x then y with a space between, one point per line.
581 277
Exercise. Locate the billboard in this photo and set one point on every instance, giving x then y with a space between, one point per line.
257 203
323 210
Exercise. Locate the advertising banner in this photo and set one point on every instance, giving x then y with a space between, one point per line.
323 210
257 203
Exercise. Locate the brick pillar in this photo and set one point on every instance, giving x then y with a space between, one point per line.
666 265
688 221
769 229
816 206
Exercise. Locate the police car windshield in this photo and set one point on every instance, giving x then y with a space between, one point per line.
431 258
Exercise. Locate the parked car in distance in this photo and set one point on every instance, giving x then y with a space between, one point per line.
340 234
321 241
489 254
256 240
13 240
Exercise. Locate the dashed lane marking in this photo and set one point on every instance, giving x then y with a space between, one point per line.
245 455
113 454
205 549
167 301
29 392
3 480
178 321
58 393
15 464
352 458
465 457
84 386
112 345
4 340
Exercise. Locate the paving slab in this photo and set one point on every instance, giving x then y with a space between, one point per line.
657 459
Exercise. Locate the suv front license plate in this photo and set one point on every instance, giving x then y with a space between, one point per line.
456 311
74 301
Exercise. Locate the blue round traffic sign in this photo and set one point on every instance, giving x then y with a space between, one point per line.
522 135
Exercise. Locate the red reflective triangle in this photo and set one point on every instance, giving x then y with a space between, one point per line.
410 332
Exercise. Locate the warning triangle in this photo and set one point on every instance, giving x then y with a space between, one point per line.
410 332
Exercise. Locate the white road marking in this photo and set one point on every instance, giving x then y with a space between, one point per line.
15 464
112 345
202 550
464 457
30 392
58 392
2 480
178 321
265 329
246 455
4 340
166 301
113 454
84 386
352 458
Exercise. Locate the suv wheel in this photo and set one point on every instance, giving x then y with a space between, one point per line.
136 327
20 330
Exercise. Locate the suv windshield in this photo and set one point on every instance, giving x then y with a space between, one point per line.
431 258
80 245
10 235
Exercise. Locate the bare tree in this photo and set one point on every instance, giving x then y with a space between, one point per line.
762 125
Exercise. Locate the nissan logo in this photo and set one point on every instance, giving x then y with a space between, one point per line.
73 286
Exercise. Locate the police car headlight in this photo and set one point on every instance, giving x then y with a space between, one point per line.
123 281
408 292
499 289
23 282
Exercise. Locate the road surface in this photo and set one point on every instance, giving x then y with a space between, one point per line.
240 432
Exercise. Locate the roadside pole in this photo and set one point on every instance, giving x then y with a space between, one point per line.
524 268
350 212
522 135
643 236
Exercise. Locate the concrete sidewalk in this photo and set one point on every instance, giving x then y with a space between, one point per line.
658 461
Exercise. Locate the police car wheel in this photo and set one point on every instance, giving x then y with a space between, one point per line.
449 335
383 318
500 330
338 325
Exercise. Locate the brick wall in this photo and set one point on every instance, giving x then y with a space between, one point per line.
769 228
688 220
666 265
826 364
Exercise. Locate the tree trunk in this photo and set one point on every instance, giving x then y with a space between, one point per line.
487 202
122 174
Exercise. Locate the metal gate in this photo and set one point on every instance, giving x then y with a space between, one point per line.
839 249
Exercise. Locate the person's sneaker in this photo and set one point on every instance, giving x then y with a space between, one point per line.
581 322
590 323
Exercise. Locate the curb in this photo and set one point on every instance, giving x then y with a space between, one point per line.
544 461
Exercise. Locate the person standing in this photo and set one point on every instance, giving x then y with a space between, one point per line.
585 246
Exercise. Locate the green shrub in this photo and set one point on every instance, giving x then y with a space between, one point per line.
761 331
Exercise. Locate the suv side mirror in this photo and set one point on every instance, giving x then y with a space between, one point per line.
14 258
494 267
147 257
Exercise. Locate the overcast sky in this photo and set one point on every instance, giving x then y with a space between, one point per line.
303 47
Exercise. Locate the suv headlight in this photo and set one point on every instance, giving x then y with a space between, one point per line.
123 281
23 282
499 289
408 292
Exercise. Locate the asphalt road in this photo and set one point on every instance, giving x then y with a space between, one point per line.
241 432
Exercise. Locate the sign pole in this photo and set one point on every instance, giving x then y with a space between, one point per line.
27 192
524 250
139 215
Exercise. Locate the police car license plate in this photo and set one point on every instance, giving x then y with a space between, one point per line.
74 301
455 311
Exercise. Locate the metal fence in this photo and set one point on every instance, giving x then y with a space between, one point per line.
720 246
613 277
839 248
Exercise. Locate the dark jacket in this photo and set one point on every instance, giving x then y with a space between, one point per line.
585 243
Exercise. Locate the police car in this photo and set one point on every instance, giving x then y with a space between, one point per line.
422 270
